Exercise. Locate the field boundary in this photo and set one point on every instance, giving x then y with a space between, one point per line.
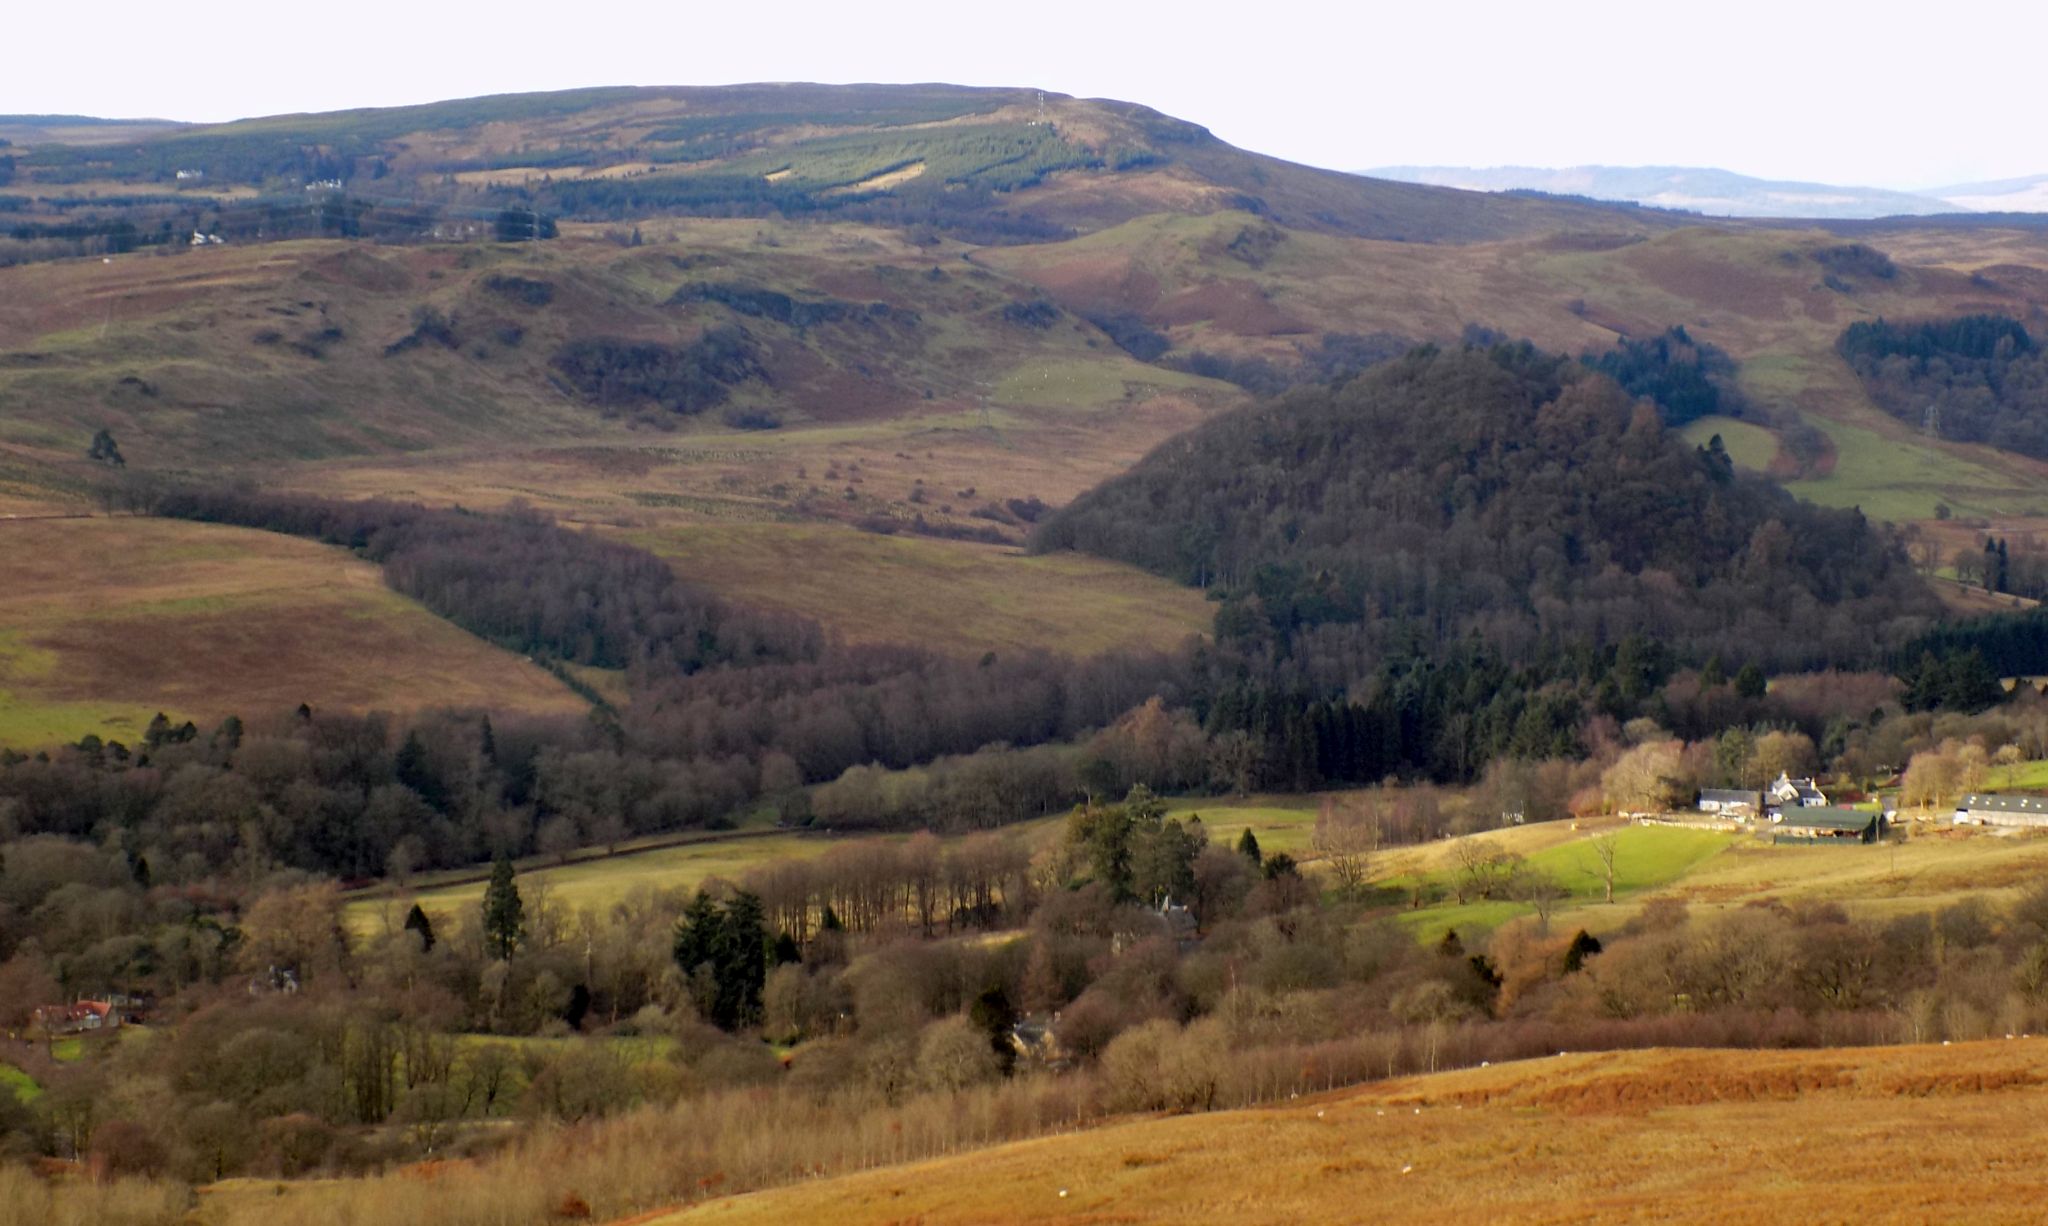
582 855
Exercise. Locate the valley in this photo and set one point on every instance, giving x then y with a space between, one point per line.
891 653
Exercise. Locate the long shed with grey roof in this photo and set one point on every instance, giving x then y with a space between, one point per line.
1996 809
1829 824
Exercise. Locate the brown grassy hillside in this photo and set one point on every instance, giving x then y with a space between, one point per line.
1904 1134
104 622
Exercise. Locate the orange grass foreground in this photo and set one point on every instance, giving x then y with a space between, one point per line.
1900 1134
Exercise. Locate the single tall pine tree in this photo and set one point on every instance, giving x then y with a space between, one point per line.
504 914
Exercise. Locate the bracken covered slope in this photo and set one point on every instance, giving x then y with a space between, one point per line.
1903 1134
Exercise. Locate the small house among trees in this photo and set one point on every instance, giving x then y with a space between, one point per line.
1786 794
81 1017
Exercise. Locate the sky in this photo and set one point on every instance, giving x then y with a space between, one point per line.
1879 94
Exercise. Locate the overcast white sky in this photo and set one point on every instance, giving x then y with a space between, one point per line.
1877 93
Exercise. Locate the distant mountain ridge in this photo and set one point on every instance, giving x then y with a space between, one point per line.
28 130
2028 194
1705 190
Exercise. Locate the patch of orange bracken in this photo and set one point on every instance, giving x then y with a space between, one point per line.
437 1168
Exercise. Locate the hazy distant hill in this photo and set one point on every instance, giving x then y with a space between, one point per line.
79 129
2026 195
1716 193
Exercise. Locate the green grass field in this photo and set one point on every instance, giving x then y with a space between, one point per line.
1063 383
1279 823
2024 776
596 883
1646 858
24 1086
1749 445
1897 480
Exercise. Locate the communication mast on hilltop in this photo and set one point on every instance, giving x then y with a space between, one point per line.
1930 422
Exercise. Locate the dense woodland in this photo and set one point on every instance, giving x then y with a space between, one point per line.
1504 496
1685 379
1977 379
2011 644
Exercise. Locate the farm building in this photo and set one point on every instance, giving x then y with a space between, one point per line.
79 1017
1828 824
1786 793
1731 802
1990 809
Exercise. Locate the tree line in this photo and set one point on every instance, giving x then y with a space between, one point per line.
522 581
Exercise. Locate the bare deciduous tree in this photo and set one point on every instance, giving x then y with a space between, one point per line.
1485 869
1543 893
1605 847
1347 837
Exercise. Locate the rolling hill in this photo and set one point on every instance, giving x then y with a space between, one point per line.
779 321
1001 163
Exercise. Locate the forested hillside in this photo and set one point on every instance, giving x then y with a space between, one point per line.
1978 379
1503 494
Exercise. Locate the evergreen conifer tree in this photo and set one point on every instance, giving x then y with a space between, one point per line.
504 914
416 921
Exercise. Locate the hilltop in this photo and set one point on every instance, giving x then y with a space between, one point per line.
1002 164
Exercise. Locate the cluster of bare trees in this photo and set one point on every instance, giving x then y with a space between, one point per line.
1938 777
874 885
